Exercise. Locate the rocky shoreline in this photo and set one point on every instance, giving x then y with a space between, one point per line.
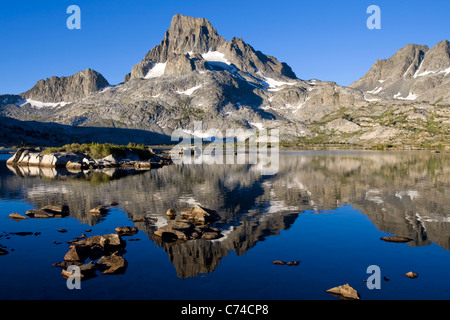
79 161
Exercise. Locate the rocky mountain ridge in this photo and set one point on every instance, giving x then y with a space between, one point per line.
66 89
194 74
412 73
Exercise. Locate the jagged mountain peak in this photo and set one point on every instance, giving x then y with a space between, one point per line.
186 34
437 60
403 63
197 40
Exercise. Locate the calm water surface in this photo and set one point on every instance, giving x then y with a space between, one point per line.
327 210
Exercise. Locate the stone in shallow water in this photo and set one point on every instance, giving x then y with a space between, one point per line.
411 274
177 230
39 213
396 239
77 253
87 271
17 216
345 292
113 264
126 231
199 214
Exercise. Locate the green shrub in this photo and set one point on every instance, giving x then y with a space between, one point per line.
101 150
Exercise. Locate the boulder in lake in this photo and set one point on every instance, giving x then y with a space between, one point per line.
99 210
176 230
200 215
126 231
39 213
87 271
77 253
16 216
411 274
49 211
112 242
345 292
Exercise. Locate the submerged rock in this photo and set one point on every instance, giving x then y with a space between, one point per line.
396 239
113 264
23 233
345 292
289 263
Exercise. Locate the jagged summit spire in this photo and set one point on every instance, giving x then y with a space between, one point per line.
186 34
187 41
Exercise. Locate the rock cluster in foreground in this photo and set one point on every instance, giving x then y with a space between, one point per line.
106 249
194 224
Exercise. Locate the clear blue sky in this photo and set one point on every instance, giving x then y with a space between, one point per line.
327 40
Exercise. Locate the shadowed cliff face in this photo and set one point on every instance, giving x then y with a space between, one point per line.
404 194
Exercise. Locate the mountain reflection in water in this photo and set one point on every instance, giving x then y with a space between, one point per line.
403 193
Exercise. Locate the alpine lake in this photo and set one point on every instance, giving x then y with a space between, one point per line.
315 224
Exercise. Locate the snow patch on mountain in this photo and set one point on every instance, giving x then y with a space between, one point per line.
189 91
157 71
411 96
40 104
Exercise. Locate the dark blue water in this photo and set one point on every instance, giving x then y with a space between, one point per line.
326 210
